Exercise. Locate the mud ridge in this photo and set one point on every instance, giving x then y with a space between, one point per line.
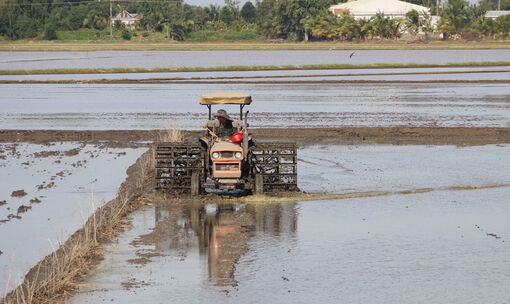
147 81
462 136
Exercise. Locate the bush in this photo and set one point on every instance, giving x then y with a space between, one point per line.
118 25
83 34
230 35
50 31
126 34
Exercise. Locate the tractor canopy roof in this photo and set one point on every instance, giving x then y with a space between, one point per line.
225 98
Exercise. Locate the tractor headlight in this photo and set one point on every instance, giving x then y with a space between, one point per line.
215 155
239 155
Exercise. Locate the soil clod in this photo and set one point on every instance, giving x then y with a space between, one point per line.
35 200
23 209
18 193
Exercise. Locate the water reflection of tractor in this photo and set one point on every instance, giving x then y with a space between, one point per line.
182 227
226 157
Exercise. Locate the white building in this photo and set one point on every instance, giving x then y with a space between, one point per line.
496 14
360 9
126 18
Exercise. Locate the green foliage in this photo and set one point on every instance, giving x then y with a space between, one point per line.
454 17
502 26
493 4
118 25
325 26
225 36
249 12
413 22
82 35
24 27
287 19
50 31
288 16
226 15
126 34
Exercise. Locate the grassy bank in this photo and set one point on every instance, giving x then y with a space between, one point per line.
251 68
102 45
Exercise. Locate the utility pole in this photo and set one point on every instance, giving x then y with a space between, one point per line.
111 32
499 5
437 8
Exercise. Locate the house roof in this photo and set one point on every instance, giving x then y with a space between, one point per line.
496 14
372 7
125 15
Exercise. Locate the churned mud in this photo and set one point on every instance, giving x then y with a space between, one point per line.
304 136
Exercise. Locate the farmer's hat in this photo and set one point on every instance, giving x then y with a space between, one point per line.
222 113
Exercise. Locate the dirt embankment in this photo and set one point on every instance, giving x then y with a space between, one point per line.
462 136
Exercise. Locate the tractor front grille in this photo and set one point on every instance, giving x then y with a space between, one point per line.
227 154
227 166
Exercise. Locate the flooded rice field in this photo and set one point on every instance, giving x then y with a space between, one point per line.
154 59
155 106
439 234
406 184
47 193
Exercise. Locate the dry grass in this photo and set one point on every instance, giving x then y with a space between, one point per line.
172 133
56 276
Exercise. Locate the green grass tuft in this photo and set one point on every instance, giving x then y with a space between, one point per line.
251 68
249 35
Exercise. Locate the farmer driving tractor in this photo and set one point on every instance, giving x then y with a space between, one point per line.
226 157
225 128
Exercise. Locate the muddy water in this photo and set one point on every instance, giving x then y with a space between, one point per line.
150 106
448 245
64 184
152 59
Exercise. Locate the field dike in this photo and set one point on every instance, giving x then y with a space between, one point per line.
254 68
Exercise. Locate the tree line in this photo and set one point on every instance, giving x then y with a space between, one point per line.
272 19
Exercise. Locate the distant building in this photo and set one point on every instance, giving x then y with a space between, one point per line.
496 14
361 9
126 18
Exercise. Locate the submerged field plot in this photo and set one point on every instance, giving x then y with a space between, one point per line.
404 173
410 216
